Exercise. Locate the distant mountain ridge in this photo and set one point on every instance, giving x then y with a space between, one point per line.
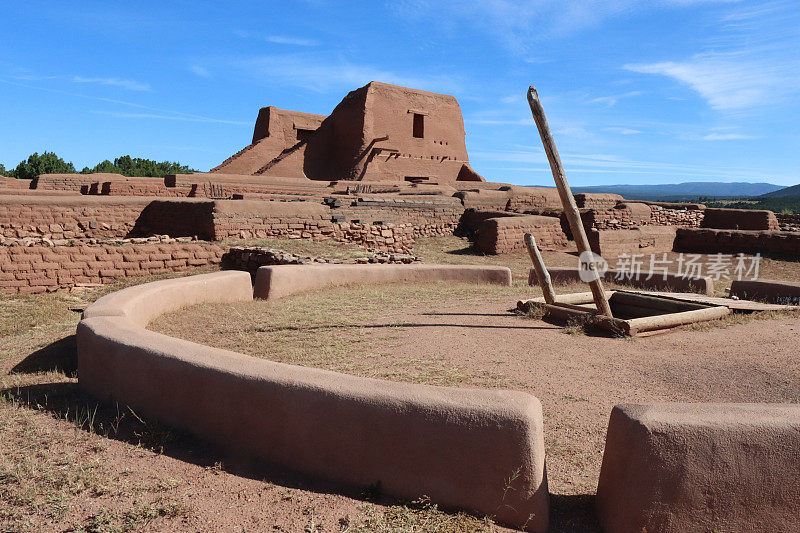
688 190
794 190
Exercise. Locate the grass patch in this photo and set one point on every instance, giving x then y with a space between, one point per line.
341 330
736 319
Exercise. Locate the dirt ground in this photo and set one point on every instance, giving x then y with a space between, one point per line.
68 463
466 336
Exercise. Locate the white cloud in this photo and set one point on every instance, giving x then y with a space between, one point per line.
200 71
519 24
295 41
752 61
129 85
277 39
181 117
322 74
623 131
612 100
725 81
727 137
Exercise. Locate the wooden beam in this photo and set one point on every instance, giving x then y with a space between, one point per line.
567 200
541 270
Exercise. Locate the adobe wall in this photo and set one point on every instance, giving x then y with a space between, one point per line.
429 215
743 219
693 467
14 183
505 234
69 217
371 135
709 241
644 240
585 200
477 450
40 268
767 290
71 182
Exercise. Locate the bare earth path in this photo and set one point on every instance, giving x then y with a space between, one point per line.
467 337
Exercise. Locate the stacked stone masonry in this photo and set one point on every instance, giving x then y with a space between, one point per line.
68 217
505 234
252 258
41 268
711 241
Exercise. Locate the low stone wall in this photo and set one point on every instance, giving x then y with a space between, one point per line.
585 200
477 450
505 234
71 182
767 290
644 240
140 187
658 282
280 281
740 219
429 215
788 222
41 268
252 258
14 183
711 241
684 217
700 467
69 217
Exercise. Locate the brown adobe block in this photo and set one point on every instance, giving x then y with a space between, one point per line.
680 467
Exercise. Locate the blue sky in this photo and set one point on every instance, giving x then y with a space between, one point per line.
636 92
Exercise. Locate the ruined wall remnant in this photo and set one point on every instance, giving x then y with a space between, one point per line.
379 132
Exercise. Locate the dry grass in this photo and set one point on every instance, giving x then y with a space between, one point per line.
61 468
335 329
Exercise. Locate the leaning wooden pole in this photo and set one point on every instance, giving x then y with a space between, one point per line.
541 270
567 200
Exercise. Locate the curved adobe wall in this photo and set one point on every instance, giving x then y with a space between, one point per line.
283 280
479 450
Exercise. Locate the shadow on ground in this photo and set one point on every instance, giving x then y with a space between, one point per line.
66 402
60 356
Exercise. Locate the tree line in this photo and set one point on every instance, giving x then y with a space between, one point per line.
50 163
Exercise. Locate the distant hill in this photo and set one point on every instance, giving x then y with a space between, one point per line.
686 191
794 190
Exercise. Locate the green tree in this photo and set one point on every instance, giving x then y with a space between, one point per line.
136 166
2 170
47 163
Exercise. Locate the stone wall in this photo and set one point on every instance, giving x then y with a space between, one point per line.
740 219
430 215
669 216
251 258
711 241
597 200
788 222
67 217
505 234
645 240
41 268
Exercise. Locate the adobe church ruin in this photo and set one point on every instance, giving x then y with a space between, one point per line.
379 132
